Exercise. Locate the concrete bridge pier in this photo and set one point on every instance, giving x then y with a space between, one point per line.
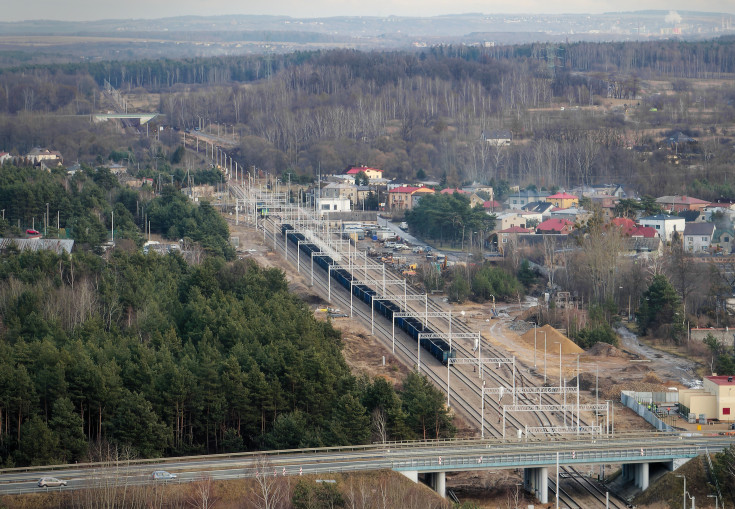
437 481
637 473
536 481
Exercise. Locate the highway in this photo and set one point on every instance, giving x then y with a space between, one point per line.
429 456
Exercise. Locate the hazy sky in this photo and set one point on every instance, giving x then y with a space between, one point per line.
102 9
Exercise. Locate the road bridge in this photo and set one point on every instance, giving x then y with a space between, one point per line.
433 459
142 118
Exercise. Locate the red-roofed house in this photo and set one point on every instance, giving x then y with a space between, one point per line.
371 173
628 228
405 197
492 205
450 190
555 227
563 200
680 203
623 223
643 231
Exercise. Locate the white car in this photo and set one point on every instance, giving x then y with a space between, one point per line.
50 482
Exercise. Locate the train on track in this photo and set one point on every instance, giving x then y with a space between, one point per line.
412 326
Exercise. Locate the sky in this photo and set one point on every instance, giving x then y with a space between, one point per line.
85 10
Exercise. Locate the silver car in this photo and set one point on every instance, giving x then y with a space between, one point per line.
50 482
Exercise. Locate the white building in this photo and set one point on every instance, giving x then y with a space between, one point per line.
698 237
333 205
665 225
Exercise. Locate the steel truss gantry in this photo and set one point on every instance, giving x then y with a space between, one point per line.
385 296
347 267
562 430
591 407
426 315
376 282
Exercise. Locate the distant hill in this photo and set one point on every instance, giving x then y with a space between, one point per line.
186 36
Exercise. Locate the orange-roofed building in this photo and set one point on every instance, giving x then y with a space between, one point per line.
405 197
371 173
563 200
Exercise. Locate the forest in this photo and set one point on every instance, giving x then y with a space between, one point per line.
164 356
580 113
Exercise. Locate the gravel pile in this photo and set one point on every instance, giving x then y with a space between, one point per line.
520 326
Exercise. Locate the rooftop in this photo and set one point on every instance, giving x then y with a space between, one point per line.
722 379
562 196
699 229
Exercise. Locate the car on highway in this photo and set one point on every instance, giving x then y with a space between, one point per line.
162 475
50 482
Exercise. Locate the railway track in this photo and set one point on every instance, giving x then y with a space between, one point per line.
407 354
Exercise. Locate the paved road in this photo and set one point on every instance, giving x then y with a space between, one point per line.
453 455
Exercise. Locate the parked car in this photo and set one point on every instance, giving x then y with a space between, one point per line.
162 475
389 244
50 482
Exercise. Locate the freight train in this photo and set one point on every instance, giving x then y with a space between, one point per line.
412 326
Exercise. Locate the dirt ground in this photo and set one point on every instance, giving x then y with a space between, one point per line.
619 369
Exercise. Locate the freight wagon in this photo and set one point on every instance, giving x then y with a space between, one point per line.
412 326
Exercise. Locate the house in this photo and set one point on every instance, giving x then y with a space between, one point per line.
371 173
355 194
679 203
628 228
406 197
665 225
492 206
722 240
511 235
606 203
698 237
563 200
5 158
498 137
451 190
539 207
614 190
474 199
555 227
509 219
636 245
480 188
574 214
693 216
420 193
332 205
521 198
679 140
50 157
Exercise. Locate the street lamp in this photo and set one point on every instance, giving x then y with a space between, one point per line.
685 490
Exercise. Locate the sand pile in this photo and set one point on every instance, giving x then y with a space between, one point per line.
567 345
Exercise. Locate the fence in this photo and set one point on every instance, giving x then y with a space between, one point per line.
630 399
